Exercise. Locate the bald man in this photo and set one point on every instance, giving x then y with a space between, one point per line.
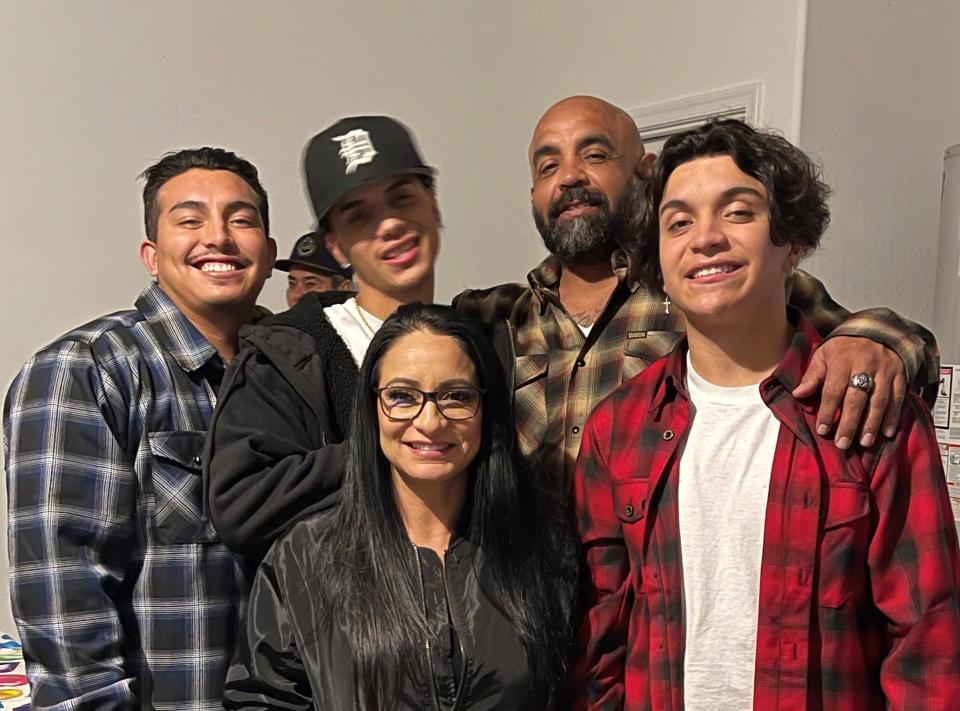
583 324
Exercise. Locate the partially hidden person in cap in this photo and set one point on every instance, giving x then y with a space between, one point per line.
312 268
289 393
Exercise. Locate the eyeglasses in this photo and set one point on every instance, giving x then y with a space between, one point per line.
403 403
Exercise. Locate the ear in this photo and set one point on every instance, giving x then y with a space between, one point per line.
148 255
330 242
645 163
436 209
793 257
272 253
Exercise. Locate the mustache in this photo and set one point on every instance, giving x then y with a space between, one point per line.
594 198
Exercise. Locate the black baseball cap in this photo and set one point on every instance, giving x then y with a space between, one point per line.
355 151
310 252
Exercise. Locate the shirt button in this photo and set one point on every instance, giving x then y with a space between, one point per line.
575 429
668 435
628 510
581 363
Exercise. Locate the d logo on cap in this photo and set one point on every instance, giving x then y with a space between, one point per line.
356 149
343 157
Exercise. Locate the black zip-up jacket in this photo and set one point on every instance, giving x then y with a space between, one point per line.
288 659
273 454
275 451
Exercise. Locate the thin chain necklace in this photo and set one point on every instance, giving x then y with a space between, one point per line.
363 319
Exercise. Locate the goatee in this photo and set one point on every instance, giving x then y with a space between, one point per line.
585 238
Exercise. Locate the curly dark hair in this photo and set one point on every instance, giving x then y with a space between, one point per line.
174 163
796 193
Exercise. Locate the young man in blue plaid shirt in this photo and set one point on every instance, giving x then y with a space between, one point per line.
122 593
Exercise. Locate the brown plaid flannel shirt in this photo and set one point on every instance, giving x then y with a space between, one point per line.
560 375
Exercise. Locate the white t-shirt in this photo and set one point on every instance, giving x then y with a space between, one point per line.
345 318
724 480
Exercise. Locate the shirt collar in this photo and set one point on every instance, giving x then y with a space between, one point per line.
784 378
174 331
544 279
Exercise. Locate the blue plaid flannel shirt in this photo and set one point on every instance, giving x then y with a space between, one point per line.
123 596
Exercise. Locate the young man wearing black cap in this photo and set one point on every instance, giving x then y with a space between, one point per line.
290 391
312 268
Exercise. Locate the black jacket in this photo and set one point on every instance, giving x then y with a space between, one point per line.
288 659
272 454
275 451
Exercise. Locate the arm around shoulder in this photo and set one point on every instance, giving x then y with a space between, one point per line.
493 304
914 344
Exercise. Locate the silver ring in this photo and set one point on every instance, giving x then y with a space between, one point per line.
861 381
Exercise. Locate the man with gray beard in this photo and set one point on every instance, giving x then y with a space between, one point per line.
584 324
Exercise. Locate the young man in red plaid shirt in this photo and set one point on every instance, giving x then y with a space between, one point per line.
736 559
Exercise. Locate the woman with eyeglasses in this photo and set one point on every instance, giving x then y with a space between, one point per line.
444 577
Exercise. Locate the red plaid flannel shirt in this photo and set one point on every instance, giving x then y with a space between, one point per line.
860 574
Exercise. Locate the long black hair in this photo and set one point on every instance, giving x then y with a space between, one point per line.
513 518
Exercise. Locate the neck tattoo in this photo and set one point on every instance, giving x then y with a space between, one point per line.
587 317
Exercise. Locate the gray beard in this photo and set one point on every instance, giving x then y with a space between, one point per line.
582 238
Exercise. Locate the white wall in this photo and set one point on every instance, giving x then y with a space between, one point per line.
881 101
93 92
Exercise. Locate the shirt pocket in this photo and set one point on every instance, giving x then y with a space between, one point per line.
630 506
630 499
176 485
528 369
641 348
843 548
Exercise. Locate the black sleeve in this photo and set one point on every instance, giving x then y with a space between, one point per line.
267 671
268 461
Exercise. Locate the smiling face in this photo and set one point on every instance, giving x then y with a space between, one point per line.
429 448
389 231
583 156
211 253
719 264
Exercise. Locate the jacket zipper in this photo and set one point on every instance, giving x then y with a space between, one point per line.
463 654
426 641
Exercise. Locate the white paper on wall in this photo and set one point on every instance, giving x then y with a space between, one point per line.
946 418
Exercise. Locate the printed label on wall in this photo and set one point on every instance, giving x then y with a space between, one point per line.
941 410
946 418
